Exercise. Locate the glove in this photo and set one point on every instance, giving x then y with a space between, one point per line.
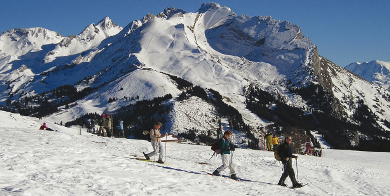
232 147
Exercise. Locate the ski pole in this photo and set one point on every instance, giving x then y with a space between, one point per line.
166 140
296 165
212 156
231 156
231 162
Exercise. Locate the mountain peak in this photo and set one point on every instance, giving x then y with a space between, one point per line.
170 11
19 41
106 23
21 32
376 71
207 6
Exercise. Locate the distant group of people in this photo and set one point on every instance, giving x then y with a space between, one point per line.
105 126
271 140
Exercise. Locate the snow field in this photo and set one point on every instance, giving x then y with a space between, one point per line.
35 162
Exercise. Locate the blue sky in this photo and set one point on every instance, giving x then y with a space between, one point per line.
345 31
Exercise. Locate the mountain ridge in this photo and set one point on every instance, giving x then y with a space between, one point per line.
228 56
375 71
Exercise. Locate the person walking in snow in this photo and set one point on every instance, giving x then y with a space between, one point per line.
226 147
275 141
308 145
155 136
285 153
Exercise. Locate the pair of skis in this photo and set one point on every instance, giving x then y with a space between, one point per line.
239 180
146 160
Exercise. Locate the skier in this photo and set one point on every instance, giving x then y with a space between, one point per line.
308 145
285 153
155 136
226 147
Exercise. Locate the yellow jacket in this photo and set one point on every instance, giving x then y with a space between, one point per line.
275 140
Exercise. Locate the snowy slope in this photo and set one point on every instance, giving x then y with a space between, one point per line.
35 162
212 48
375 71
349 88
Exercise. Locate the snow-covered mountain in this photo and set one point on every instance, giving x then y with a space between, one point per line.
238 61
27 53
377 72
88 39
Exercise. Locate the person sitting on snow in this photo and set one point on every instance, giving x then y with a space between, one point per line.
44 127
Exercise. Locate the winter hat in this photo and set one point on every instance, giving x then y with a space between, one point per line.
228 133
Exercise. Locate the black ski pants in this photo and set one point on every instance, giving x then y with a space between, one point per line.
288 171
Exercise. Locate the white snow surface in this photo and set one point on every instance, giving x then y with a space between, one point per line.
36 162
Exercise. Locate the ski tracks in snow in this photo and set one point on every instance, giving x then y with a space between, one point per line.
35 162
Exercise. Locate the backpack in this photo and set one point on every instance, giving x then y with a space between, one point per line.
276 153
215 147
